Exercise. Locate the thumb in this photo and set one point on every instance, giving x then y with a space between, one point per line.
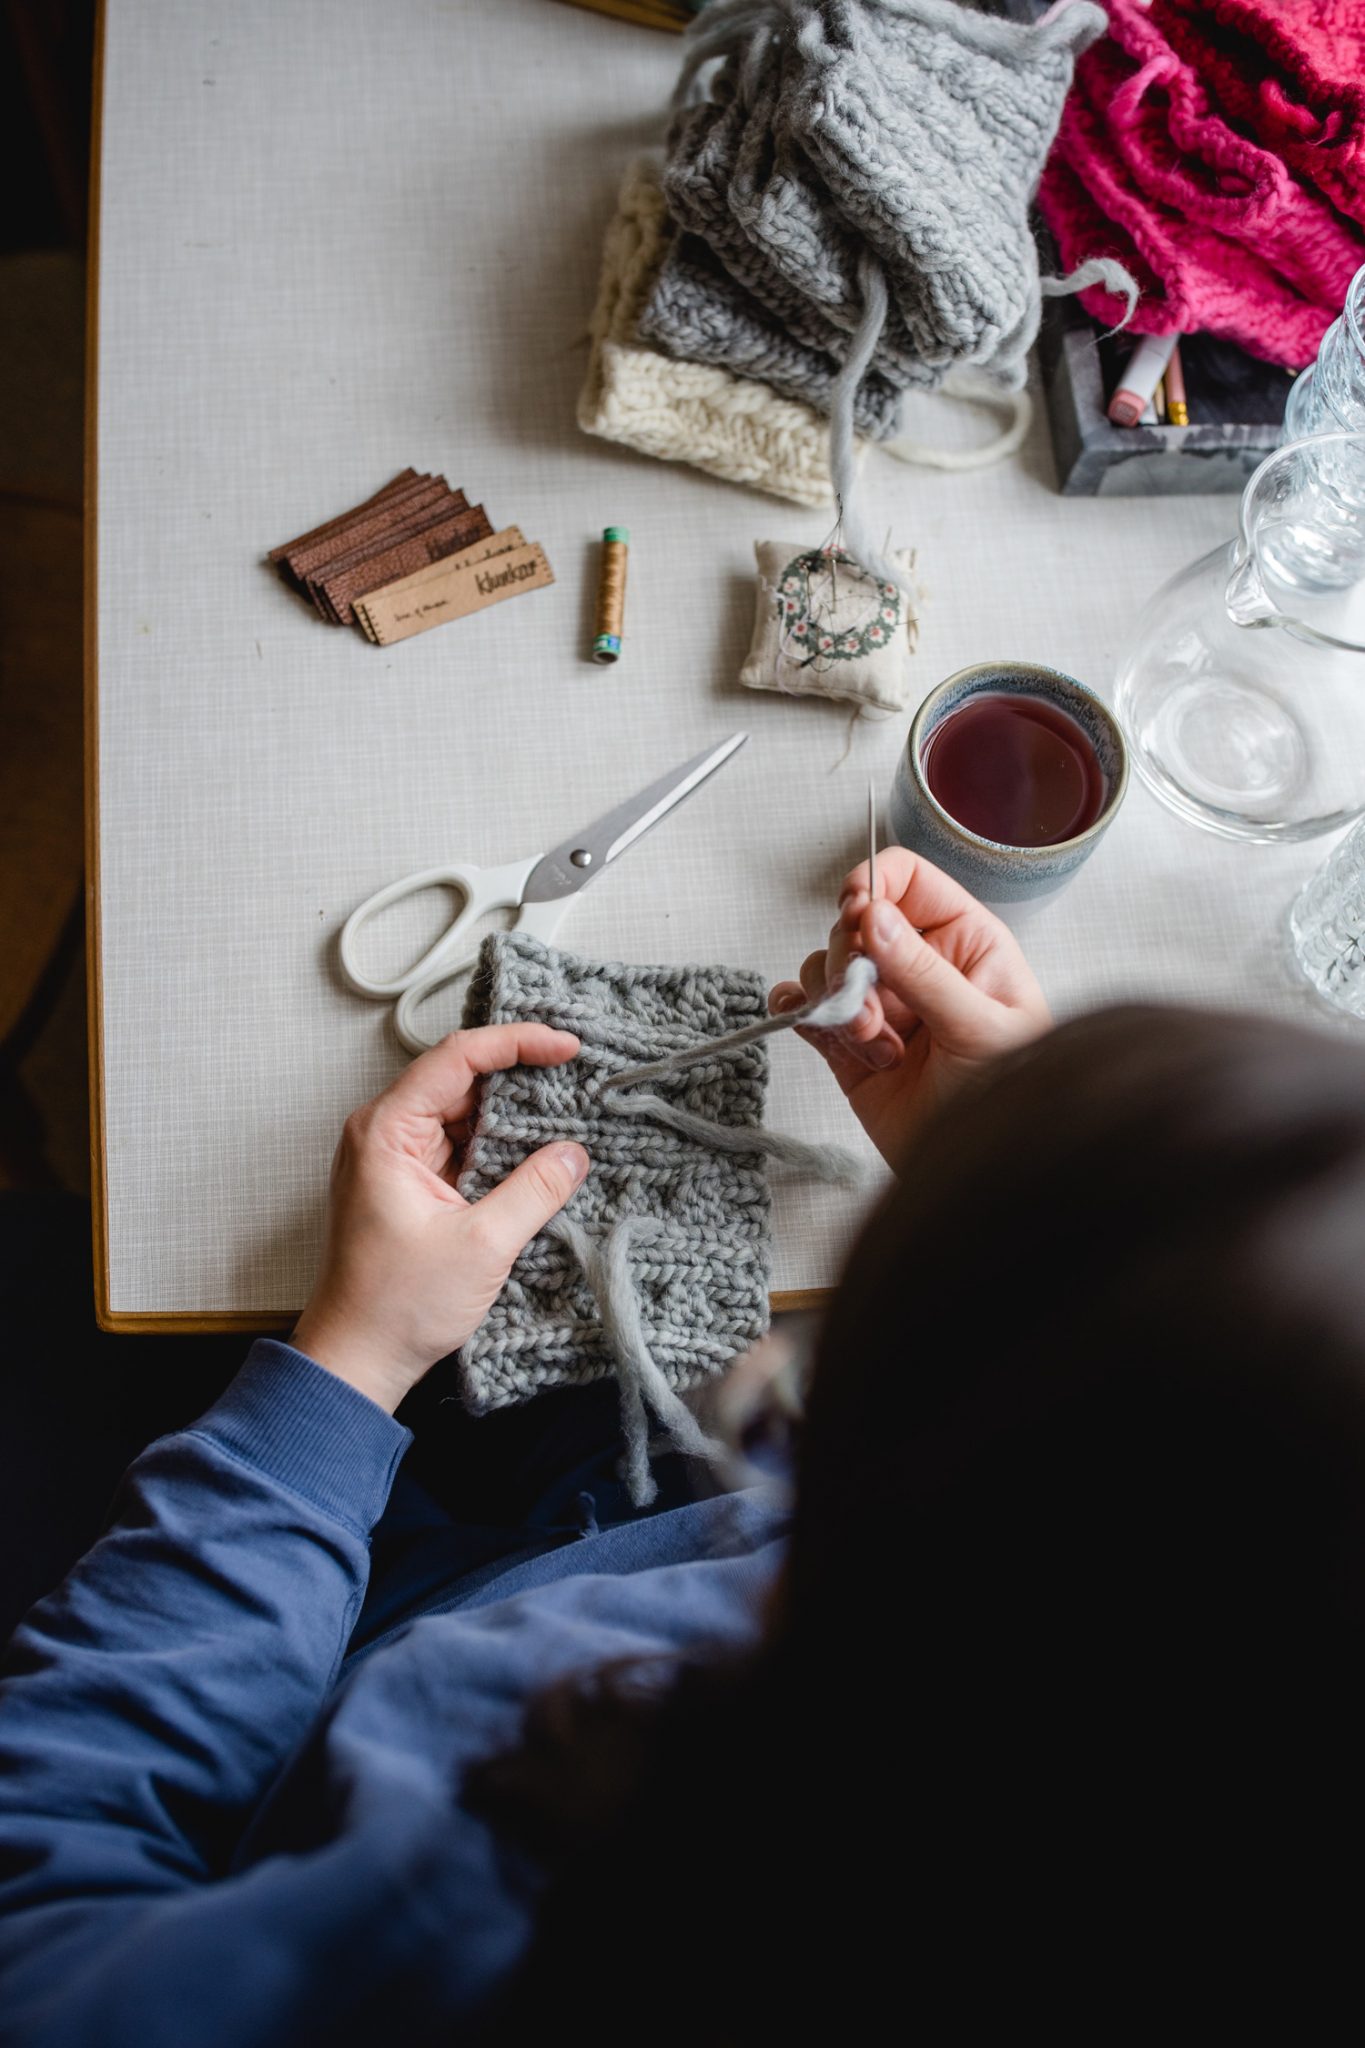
931 988
532 1193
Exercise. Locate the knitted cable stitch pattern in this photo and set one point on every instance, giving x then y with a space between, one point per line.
694 412
913 130
697 1248
698 313
862 172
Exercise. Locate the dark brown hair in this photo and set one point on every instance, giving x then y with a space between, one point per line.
1068 1649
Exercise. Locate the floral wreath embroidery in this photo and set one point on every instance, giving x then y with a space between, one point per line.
829 609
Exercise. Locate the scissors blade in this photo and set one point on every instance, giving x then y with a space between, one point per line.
571 865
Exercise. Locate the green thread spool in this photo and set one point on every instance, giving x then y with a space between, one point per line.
611 594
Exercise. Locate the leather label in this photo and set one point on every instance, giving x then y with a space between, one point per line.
452 589
500 543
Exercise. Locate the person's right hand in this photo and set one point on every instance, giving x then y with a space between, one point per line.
953 991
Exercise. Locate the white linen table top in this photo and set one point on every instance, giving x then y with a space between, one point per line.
336 238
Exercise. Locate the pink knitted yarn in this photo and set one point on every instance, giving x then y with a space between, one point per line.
1182 152
1190 278
1219 234
1292 72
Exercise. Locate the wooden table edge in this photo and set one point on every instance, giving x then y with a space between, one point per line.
94 968
278 1323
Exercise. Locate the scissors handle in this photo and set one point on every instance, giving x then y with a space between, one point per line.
542 920
483 889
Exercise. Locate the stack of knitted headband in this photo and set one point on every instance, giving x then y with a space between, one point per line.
700 413
1217 149
852 196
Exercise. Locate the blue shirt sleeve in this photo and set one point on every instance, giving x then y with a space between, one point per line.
150 1702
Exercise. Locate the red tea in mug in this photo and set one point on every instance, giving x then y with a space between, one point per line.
1016 769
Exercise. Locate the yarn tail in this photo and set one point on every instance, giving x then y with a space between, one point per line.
839 1007
606 1268
830 1164
716 30
1105 270
961 459
842 441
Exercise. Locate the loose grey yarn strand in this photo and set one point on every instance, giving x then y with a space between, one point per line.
716 31
830 1164
831 1011
606 1268
843 447
1105 270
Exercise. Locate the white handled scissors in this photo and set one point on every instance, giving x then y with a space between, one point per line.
540 889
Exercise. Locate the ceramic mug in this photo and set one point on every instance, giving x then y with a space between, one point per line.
991 870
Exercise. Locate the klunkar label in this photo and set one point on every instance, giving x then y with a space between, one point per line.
489 582
451 590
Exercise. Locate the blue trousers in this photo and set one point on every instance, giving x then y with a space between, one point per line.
78 1404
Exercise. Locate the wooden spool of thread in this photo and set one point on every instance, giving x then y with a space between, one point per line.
611 595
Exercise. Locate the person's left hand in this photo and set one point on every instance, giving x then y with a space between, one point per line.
409 1268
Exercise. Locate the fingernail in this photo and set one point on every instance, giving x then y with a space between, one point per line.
787 1002
881 1053
576 1159
885 922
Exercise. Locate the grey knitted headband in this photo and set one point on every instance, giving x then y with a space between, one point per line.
657 1271
697 311
861 172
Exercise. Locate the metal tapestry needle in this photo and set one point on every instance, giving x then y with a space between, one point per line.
828 1013
840 1006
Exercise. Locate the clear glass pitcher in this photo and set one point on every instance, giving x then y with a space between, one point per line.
1243 694
1329 395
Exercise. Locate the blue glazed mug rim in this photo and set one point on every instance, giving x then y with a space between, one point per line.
1017 671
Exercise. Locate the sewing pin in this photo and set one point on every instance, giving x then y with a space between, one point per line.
871 839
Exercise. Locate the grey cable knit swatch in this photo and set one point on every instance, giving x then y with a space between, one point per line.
698 1245
911 130
696 312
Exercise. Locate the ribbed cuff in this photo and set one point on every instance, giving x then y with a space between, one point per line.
315 1434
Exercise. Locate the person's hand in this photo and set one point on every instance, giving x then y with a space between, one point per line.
409 1268
953 991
